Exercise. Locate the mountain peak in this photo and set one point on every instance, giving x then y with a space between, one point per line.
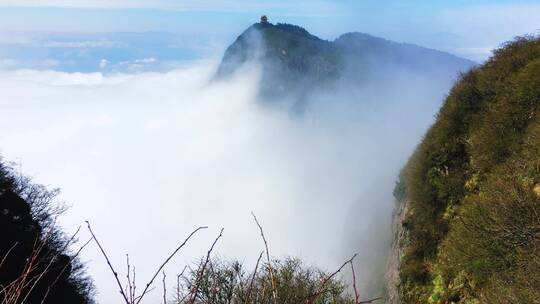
294 62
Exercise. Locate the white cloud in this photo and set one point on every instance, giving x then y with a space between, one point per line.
15 38
146 60
81 44
103 63
8 63
474 53
38 39
136 65
49 63
301 6
147 157
78 3
487 26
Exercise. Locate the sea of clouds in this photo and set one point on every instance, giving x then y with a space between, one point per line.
148 157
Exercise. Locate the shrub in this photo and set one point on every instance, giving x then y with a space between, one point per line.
472 222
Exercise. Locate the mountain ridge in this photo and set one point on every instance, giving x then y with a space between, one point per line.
295 62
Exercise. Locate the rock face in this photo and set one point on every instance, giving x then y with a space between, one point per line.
296 63
396 252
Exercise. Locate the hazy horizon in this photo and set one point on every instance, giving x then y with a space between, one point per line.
69 35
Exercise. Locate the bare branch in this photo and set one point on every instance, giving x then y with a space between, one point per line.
253 278
164 288
371 300
167 261
109 263
64 269
274 292
327 279
51 261
7 253
178 284
356 294
130 295
147 292
201 272
134 286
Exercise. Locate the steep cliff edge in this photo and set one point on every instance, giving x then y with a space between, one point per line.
468 227
396 251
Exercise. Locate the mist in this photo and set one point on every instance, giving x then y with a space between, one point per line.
148 157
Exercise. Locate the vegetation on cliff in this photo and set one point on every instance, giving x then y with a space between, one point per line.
472 189
35 263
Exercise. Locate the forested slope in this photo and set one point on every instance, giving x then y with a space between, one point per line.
472 189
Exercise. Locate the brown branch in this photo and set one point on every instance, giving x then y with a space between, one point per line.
356 294
327 279
7 253
63 270
25 283
178 284
134 286
167 261
164 288
109 263
201 273
147 292
212 291
188 294
274 292
253 278
371 300
51 261
130 295
32 264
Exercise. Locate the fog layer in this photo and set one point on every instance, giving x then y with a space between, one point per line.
148 157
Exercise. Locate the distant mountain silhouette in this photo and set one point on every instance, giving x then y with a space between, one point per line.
295 62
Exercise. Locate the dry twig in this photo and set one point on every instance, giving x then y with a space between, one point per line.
164 288
371 300
167 261
201 272
7 253
178 298
108 263
253 278
132 299
321 290
356 294
270 269
64 269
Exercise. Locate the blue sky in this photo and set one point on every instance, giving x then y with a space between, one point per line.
29 29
